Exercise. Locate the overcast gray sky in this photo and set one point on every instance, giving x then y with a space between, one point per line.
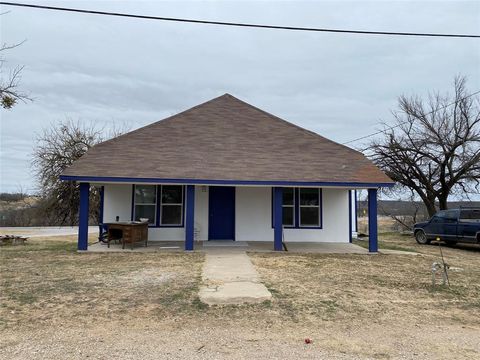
127 71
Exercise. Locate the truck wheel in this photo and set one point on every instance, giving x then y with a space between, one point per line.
421 238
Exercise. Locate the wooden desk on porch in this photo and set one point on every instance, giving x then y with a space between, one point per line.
128 231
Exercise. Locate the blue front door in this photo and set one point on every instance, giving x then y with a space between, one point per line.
221 213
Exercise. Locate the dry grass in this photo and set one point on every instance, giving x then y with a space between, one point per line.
52 295
345 287
48 282
388 298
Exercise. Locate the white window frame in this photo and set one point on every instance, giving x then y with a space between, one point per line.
172 204
135 203
300 206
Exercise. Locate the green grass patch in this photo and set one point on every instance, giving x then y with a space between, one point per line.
55 246
388 246
385 245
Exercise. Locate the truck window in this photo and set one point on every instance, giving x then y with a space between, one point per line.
470 215
445 216
436 219
451 216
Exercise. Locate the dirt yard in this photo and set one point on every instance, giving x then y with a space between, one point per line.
55 303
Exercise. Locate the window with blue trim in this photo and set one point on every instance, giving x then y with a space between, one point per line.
288 205
309 206
301 207
162 205
171 211
145 203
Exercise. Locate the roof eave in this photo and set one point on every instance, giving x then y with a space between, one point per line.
130 180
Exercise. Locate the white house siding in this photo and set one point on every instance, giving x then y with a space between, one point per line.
354 213
201 213
253 214
253 221
117 202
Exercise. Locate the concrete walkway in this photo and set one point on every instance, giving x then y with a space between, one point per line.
229 277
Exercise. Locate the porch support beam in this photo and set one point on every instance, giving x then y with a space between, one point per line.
189 217
83 216
350 215
278 218
356 211
372 221
102 204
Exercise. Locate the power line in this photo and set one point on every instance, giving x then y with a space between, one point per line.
405 122
275 27
248 25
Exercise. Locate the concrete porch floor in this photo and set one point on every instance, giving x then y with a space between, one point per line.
213 246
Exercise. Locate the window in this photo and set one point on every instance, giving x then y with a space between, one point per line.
288 205
162 205
436 219
301 207
309 206
445 216
470 215
145 203
441 214
171 211
451 216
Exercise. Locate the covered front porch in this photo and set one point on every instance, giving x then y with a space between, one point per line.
253 216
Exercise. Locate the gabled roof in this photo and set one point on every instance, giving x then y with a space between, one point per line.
225 139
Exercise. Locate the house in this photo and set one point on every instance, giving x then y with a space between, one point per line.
226 170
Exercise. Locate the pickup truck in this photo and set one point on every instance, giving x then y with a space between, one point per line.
452 226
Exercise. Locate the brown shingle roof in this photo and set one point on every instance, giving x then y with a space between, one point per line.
226 139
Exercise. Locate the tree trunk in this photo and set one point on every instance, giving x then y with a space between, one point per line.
430 204
442 202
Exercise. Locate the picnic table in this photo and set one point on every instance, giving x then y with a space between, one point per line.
13 240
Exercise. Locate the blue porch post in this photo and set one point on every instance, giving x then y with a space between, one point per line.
278 218
189 217
372 221
350 215
83 216
101 206
356 211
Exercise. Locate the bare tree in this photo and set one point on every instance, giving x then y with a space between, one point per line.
56 149
434 146
9 91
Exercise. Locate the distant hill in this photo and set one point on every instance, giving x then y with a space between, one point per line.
407 208
12 197
20 210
